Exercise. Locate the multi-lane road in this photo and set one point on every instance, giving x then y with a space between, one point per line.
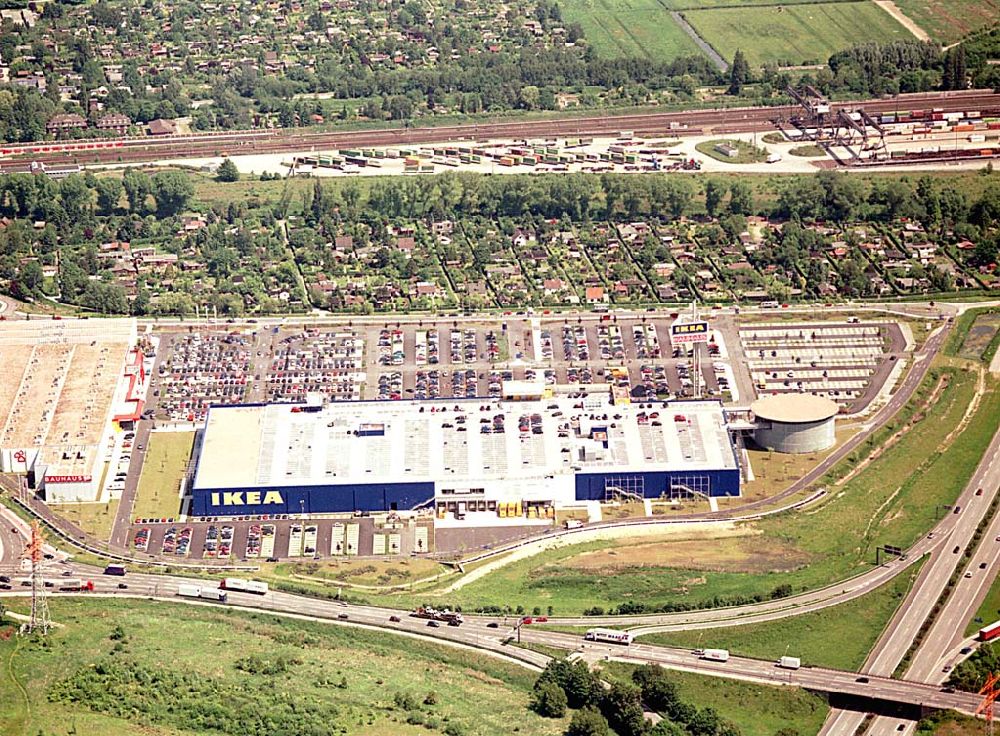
495 635
950 537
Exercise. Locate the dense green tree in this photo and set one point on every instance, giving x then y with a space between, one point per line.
227 171
549 700
588 722
622 706
105 298
740 198
739 73
109 192
138 187
715 192
172 191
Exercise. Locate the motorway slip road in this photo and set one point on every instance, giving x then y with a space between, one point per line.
911 615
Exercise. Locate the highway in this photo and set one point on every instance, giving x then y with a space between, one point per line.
939 651
478 633
911 615
214 144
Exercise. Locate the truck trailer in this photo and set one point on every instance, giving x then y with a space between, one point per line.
715 655
790 663
194 591
247 586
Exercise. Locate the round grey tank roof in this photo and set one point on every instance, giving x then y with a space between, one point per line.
794 408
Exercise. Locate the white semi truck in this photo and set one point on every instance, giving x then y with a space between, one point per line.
715 655
196 591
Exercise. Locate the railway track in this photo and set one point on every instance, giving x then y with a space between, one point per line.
732 120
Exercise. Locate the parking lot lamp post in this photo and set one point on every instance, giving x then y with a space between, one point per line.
302 507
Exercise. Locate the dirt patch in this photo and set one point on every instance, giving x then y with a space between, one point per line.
980 335
733 554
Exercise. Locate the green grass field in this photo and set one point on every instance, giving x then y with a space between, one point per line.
758 710
746 152
701 4
166 457
947 21
840 636
794 34
94 518
350 676
630 28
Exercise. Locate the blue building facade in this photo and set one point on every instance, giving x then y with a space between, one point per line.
658 484
312 499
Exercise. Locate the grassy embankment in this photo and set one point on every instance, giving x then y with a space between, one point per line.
839 636
207 671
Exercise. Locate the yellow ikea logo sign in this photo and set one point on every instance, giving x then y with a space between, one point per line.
691 328
243 498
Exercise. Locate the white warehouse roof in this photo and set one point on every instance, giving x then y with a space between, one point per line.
413 441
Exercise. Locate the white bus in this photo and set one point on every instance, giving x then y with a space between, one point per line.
609 636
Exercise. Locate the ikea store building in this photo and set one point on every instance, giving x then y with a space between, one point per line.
458 457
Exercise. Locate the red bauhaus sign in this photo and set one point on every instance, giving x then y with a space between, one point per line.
68 478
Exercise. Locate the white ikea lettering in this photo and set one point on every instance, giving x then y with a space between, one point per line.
235 498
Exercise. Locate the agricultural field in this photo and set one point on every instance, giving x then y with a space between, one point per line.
630 28
794 34
220 672
839 636
947 21
701 4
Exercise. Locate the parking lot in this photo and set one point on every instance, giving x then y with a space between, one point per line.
845 362
197 369
279 538
431 359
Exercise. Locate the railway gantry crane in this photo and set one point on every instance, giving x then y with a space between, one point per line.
990 692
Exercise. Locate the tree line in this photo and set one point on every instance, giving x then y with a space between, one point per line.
601 708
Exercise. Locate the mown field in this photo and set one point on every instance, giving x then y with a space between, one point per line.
839 636
630 28
129 667
794 34
947 21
